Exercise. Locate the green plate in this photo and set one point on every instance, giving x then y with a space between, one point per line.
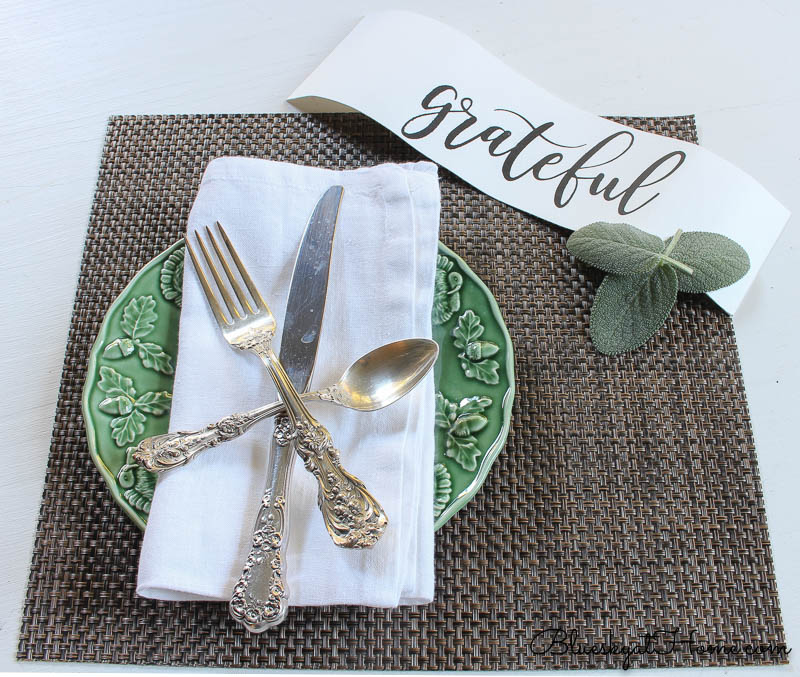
129 379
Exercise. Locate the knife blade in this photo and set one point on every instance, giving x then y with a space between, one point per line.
305 306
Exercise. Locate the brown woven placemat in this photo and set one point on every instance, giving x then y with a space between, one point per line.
627 500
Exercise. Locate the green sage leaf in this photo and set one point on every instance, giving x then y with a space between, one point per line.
153 356
468 329
628 310
125 429
616 248
139 317
154 403
717 261
112 383
463 450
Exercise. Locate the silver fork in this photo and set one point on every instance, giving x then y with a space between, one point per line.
353 518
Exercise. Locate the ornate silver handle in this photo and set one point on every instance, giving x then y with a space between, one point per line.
260 599
163 452
353 518
172 450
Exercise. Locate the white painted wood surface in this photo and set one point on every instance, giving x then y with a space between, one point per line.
66 66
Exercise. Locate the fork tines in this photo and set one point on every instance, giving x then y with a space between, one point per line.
247 305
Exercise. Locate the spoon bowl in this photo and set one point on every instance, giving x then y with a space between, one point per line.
384 375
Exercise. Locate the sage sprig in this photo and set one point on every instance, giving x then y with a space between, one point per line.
645 274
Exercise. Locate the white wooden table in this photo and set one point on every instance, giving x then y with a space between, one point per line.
66 66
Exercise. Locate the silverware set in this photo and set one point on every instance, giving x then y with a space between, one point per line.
352 516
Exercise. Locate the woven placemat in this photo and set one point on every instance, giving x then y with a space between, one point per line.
627 500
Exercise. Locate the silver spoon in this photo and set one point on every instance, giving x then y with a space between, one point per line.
372 382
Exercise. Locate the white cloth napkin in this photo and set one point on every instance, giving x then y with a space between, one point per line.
380 290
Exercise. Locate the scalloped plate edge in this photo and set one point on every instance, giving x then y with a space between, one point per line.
508 401
89 422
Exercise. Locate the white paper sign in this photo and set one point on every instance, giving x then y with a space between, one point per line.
463 108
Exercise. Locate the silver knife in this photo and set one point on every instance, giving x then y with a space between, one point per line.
261 600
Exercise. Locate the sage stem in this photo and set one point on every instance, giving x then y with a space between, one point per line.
668 259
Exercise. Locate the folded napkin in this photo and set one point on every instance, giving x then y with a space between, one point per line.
380 290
